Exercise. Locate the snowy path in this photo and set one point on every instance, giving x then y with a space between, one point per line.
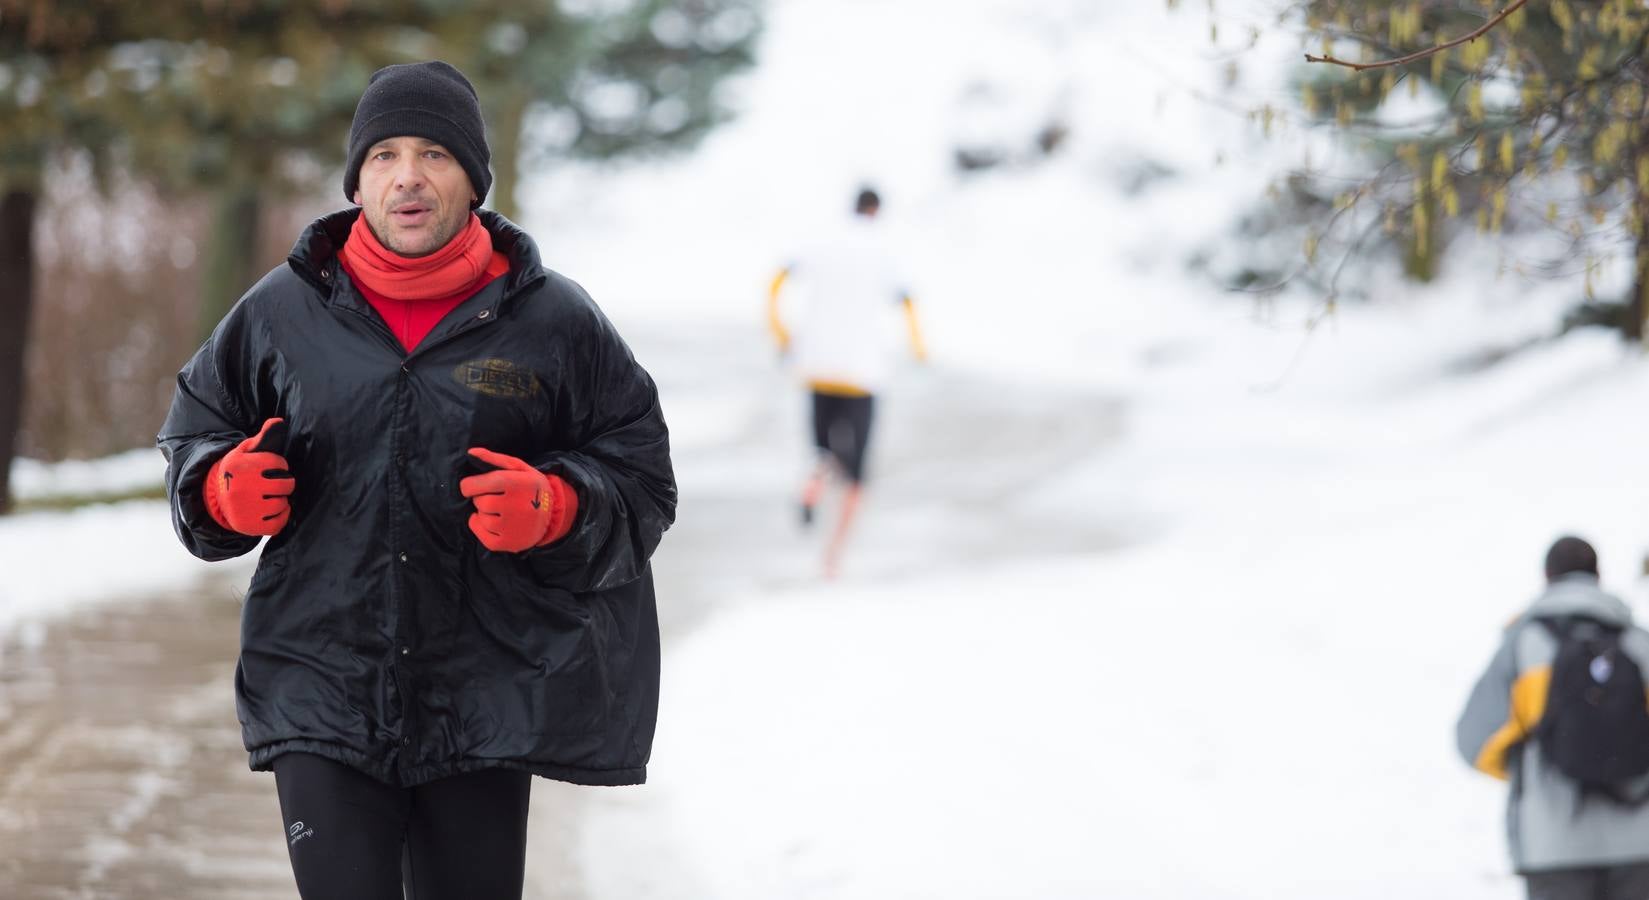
961 467
121 771
957 465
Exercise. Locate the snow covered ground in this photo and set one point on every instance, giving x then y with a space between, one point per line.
1254 695
1249 692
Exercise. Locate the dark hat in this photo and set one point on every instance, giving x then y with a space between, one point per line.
868 200
429 100
1568 555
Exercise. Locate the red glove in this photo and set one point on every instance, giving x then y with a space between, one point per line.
517 507
246 490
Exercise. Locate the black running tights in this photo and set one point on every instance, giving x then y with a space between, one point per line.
352 837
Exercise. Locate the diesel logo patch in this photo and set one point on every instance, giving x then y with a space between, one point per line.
497 378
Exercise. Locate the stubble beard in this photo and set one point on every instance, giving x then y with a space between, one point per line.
413 245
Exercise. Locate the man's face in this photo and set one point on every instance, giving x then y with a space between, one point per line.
414 194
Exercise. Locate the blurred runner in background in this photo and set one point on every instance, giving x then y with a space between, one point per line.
842 341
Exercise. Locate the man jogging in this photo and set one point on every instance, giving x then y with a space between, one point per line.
462 472
1561 715
841 347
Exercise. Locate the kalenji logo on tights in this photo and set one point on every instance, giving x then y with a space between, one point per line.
298 832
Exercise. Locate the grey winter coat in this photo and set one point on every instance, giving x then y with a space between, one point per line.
1548 826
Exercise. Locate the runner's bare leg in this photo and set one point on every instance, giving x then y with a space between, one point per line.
838 541
813 489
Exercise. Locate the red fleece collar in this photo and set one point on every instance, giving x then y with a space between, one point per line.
448 271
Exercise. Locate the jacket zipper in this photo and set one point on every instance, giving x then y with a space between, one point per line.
475 320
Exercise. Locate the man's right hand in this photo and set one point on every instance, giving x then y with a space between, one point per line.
247 490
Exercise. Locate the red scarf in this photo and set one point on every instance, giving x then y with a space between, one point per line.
440 274
412 294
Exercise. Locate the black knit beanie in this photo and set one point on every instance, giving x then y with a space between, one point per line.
1568 555
429 100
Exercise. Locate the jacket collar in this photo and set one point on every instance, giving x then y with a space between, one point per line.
315 256
1579 594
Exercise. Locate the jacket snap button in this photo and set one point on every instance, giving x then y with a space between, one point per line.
405 650
325 274
485 313
406 742
403 557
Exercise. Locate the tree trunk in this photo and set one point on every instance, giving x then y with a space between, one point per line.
505 138
16 297
1637 308
1637 305
231 265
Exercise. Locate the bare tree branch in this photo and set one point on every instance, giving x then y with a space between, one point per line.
1422 54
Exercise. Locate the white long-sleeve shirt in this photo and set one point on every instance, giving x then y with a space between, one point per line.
846 325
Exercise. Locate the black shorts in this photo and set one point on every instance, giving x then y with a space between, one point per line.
841 427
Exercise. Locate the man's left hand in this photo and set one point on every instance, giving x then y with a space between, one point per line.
517 507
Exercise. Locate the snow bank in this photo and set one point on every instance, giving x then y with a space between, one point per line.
1335 513
58 562
1252 699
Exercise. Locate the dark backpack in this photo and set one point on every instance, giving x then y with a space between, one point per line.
1595 729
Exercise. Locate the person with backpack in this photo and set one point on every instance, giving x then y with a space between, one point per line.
1562 715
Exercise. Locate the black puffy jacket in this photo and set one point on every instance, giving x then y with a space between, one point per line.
377 631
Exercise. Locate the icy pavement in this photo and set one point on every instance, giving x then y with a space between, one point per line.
960 471
122 774
121 770
968 473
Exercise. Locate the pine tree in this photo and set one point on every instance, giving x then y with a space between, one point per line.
250 100
45 80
